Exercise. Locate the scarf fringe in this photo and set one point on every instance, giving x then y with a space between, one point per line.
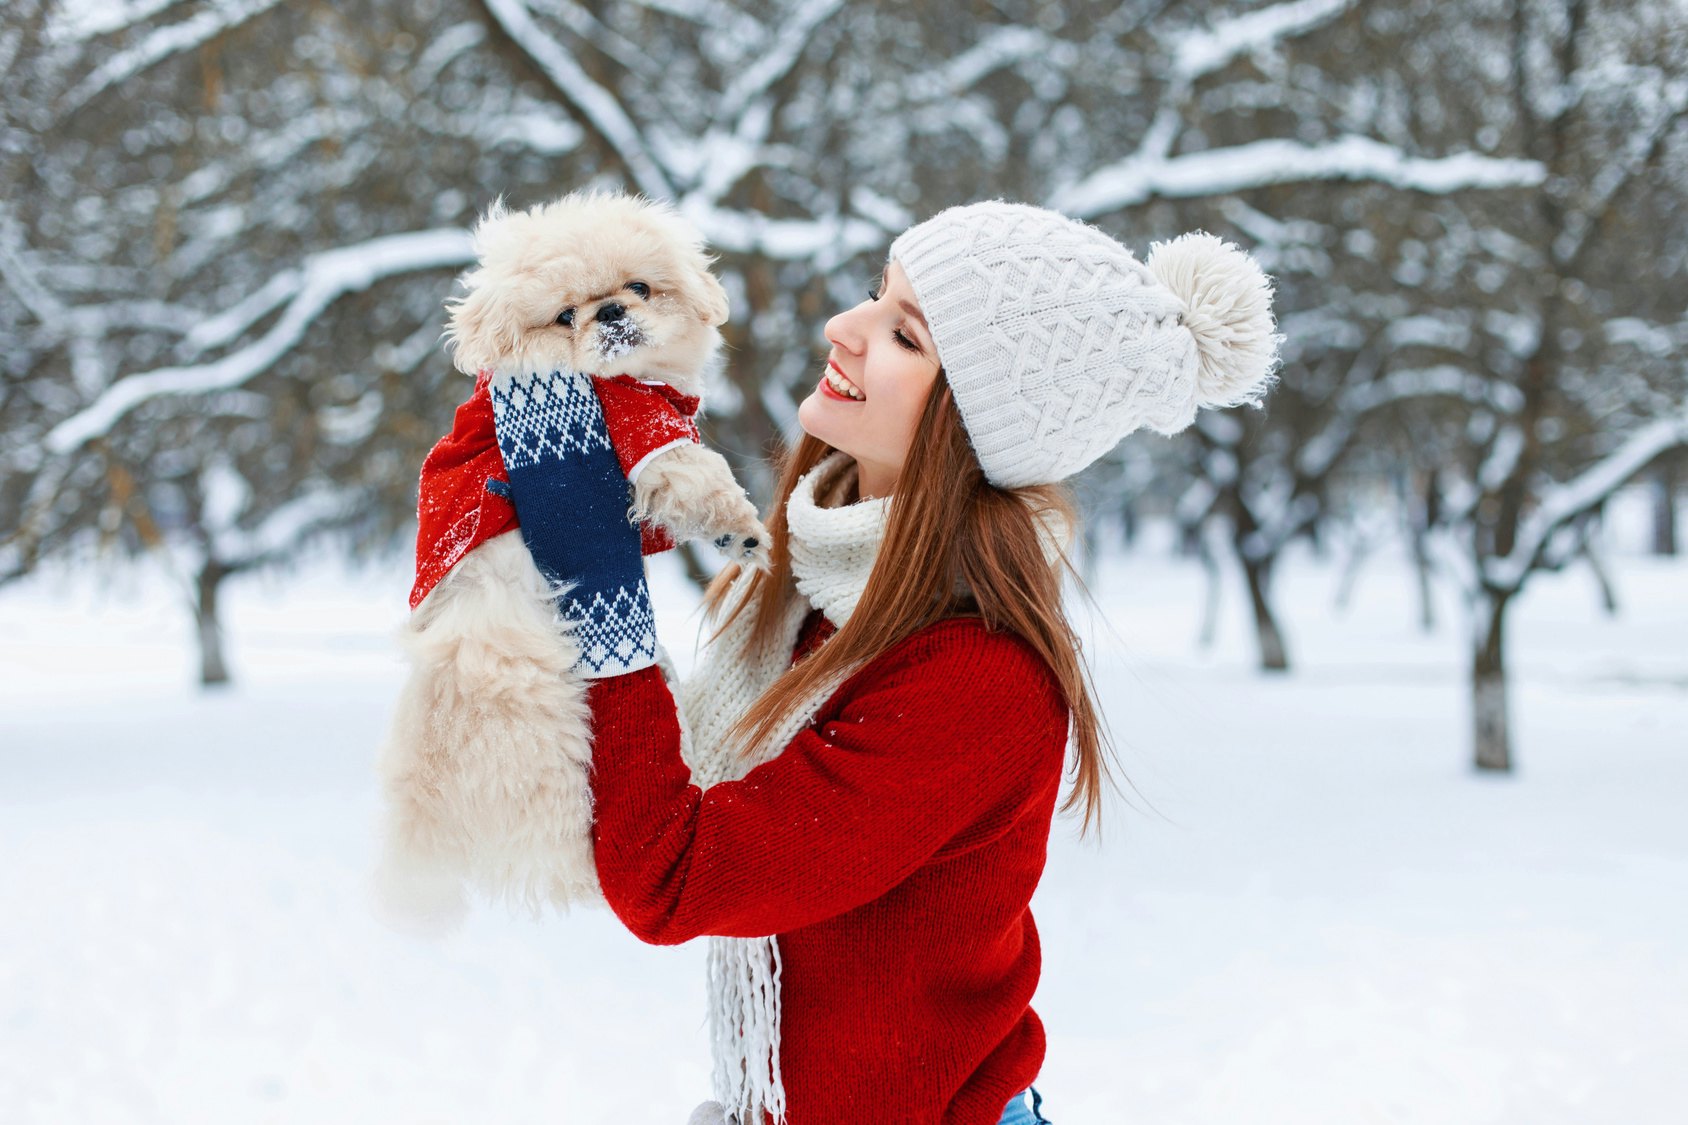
744 993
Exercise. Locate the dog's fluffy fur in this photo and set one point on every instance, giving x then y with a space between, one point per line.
485 767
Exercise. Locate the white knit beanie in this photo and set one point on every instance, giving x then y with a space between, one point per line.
1057 342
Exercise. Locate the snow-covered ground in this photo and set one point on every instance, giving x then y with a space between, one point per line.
1308 909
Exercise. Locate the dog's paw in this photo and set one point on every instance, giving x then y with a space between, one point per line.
747 544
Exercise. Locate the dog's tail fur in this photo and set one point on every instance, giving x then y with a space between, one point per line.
485 768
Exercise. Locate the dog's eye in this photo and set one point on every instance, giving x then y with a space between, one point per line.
639 287
566 318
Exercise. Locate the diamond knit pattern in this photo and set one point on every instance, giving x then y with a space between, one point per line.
572 499
616 633
547 416
1056 340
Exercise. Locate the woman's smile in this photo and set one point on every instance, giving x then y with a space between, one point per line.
835 385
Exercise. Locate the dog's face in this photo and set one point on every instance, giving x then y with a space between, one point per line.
605 284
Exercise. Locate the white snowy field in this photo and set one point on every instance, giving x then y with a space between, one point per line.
1308 910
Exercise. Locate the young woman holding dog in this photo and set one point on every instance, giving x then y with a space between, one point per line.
852 794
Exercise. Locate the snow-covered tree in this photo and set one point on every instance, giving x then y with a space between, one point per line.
229 225
1339 206
1598 93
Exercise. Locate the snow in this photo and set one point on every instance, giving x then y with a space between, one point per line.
1308 909
829 239
618 337
1259 163
1200 52
73 21
997 47
443 49
1655 340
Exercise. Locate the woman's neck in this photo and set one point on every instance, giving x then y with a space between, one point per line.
874 482
853 490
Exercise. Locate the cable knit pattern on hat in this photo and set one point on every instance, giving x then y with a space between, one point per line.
1058 342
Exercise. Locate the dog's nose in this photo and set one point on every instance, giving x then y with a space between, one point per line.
611 312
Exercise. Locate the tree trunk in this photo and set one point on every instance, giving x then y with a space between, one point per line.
1488 684
1423 519
1190 543
1664 507
1350 577
1089 544
1315 533
1426 593
1210 603
1602 577
1273 657
213 670
696 572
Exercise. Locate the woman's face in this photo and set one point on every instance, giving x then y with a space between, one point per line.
869 398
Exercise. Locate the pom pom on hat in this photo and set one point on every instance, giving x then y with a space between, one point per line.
1227 300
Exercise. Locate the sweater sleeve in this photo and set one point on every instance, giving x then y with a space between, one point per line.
954 730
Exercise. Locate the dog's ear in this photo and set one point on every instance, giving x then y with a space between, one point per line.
707 297
484 326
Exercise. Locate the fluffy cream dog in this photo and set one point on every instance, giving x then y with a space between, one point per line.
608 284
485 766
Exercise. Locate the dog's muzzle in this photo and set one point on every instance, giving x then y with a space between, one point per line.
618 333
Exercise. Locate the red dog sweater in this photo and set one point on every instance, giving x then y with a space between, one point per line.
893 848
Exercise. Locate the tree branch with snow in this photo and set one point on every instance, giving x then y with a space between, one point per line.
321 280
599 106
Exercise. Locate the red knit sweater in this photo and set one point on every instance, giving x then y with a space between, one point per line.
893 847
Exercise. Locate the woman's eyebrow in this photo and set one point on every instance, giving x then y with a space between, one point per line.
906 305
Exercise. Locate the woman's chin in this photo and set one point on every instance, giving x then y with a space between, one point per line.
812 416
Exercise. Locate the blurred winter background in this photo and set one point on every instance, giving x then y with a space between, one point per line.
1396 667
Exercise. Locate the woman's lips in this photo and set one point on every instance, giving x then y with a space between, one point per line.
827 391
834 392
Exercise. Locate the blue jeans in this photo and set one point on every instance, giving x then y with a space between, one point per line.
1016 1112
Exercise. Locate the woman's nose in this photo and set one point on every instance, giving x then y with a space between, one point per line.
841 332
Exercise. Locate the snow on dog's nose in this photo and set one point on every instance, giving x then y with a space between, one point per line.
618 333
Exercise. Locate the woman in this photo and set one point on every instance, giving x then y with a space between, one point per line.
853 798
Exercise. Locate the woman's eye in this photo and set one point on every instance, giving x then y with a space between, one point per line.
639 287
566 318
905 341
873 294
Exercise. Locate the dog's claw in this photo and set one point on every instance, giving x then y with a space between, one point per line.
753 552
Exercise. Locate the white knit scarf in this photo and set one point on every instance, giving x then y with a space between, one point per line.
832 553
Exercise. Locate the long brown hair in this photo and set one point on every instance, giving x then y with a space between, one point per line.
954 545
